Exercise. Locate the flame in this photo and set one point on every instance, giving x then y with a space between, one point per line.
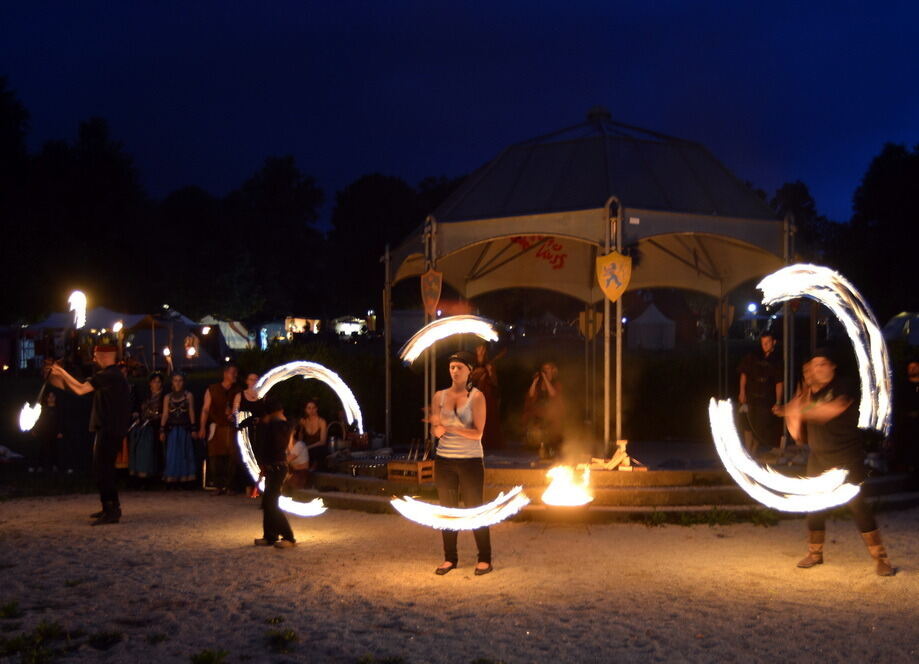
564 489
452 518
28 416
262 387
800 494
765 485
446 327
834 292
77 302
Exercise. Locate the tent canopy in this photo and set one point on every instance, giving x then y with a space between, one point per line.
98 318
538 213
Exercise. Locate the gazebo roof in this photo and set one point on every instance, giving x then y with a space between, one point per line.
580 167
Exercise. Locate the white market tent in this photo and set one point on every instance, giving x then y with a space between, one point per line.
538 215
652 330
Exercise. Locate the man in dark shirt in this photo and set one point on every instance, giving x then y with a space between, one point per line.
271 453
109 421
761 385
825 408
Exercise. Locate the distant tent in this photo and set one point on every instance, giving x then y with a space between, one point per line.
234 333
652 330
144 335
903 327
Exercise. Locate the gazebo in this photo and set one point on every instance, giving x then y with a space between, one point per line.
540 213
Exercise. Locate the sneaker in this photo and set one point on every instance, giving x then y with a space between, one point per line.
285 544
261 541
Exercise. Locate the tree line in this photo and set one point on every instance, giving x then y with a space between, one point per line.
75 214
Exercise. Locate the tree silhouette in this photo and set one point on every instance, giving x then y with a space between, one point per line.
879 245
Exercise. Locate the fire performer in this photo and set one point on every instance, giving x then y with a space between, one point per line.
110 419
457 418
222 452
271 454
825 409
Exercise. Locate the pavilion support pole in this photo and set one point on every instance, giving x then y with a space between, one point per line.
427 319
607 449
387 341
619 336
787 329
433 349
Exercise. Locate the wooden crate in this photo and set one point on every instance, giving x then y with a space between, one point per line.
417 472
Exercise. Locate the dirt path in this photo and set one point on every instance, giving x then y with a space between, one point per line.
179 575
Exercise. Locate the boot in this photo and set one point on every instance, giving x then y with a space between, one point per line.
878 552
814 555
100 513
111 513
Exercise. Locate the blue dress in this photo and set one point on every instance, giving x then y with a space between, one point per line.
144 454
180 449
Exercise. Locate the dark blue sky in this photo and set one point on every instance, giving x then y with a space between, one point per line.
201 92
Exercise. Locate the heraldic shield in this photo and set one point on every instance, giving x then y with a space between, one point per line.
613 274
431 282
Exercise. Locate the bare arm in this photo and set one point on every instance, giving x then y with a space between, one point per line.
323 431
70 382
205 410
164 416
550 388
742 395
779 391
825 411
236 401
191 408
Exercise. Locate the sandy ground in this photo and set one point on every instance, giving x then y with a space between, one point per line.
181 571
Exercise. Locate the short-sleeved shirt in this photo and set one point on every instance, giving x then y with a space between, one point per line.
763 373
273 437
840 435
111 412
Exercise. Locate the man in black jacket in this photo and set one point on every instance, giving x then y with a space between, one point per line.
826 410
271 453
109 421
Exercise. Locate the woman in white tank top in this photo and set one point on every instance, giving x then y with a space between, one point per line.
457 418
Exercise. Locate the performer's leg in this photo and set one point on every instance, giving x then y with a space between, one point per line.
816 523
472 484
447 481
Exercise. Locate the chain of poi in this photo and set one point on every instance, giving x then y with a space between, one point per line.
442 328
807 494
453 518
262 387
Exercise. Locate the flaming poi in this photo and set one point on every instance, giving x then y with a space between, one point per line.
564 489
262 387
77 302
454 518
799 494
442 328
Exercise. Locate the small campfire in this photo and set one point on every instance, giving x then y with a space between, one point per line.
566 489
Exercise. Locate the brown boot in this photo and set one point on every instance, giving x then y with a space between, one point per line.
814 555
878 552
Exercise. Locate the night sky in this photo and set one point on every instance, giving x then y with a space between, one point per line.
201 92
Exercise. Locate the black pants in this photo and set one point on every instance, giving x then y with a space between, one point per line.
105 449
462 479
854 462
220 469
766 427
274 521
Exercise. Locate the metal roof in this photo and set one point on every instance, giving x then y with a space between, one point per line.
580 167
